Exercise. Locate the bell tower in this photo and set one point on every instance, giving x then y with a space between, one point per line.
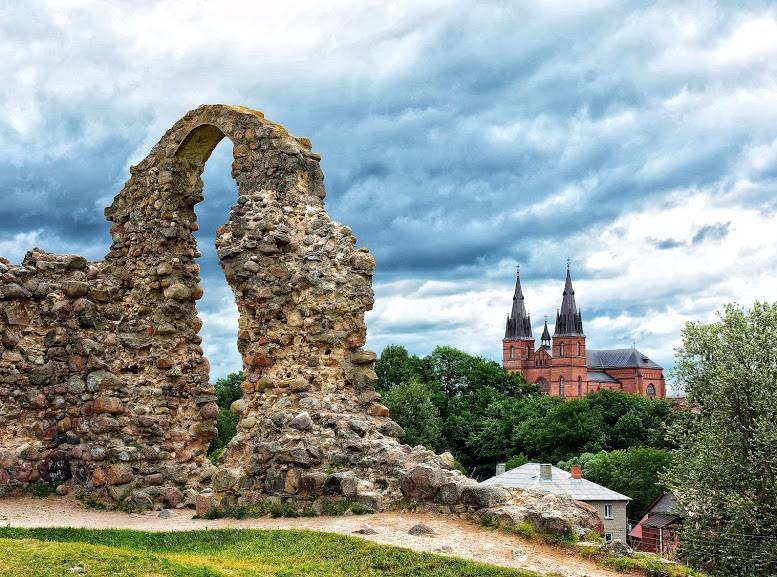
518 343
569 375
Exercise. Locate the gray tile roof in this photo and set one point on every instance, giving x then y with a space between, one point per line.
599 377
667 504
618 358
661 520
528 477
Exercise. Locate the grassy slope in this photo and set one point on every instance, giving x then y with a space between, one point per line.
123 553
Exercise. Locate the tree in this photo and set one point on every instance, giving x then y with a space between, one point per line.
630 420
227 392
395 365
725 469
412 408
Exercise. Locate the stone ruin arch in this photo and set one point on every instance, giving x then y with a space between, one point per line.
104 385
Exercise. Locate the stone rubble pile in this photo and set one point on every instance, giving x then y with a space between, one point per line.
103 382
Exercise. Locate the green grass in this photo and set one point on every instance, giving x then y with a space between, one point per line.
222 553
649 564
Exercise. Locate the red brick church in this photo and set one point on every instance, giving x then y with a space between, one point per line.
563 366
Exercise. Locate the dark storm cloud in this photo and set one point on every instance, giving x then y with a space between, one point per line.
456 140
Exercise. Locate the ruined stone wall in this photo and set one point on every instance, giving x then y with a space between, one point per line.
103 383
102 372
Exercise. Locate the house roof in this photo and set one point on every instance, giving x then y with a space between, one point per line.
599 377
618 359
660 520
528 477
666 504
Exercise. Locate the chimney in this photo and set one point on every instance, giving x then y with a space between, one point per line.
500 468
546 472
577 472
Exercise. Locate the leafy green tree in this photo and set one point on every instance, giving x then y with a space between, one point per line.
516 461
630 420
228 389
395 365
554 429
725 469
412 408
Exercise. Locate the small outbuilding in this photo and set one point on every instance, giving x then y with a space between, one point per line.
659 529
545 477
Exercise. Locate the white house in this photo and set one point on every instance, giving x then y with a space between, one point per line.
545 477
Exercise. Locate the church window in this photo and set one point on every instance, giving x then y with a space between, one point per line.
544 386
561 392
578 349
579 385
651 391
526 353
512 353
561 350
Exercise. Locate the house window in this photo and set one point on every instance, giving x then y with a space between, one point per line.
607 537
512 353
561 350
651 391
608 512
579 386
561 387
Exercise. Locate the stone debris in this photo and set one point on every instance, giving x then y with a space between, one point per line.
365 530
421 529
103 381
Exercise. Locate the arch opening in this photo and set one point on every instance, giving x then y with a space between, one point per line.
217 308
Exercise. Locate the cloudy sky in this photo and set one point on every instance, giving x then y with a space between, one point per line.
457 140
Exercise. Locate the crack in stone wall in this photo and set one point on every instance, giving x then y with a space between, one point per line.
103 382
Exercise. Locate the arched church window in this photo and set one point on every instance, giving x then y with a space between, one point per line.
579 384
561 350
544 385
512 353
561 392
651 391
526 353
578 349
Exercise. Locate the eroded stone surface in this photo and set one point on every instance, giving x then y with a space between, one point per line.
103 382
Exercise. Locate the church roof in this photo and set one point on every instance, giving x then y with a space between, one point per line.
599 377
518 321
618 359
568 319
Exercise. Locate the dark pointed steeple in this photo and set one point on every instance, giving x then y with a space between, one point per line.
568 319
518 322
545 335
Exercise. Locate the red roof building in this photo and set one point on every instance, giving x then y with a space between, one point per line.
562 365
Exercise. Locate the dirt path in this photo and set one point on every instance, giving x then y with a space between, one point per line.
453 537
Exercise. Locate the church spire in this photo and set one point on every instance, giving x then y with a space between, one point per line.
545 335
568 319
518 322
